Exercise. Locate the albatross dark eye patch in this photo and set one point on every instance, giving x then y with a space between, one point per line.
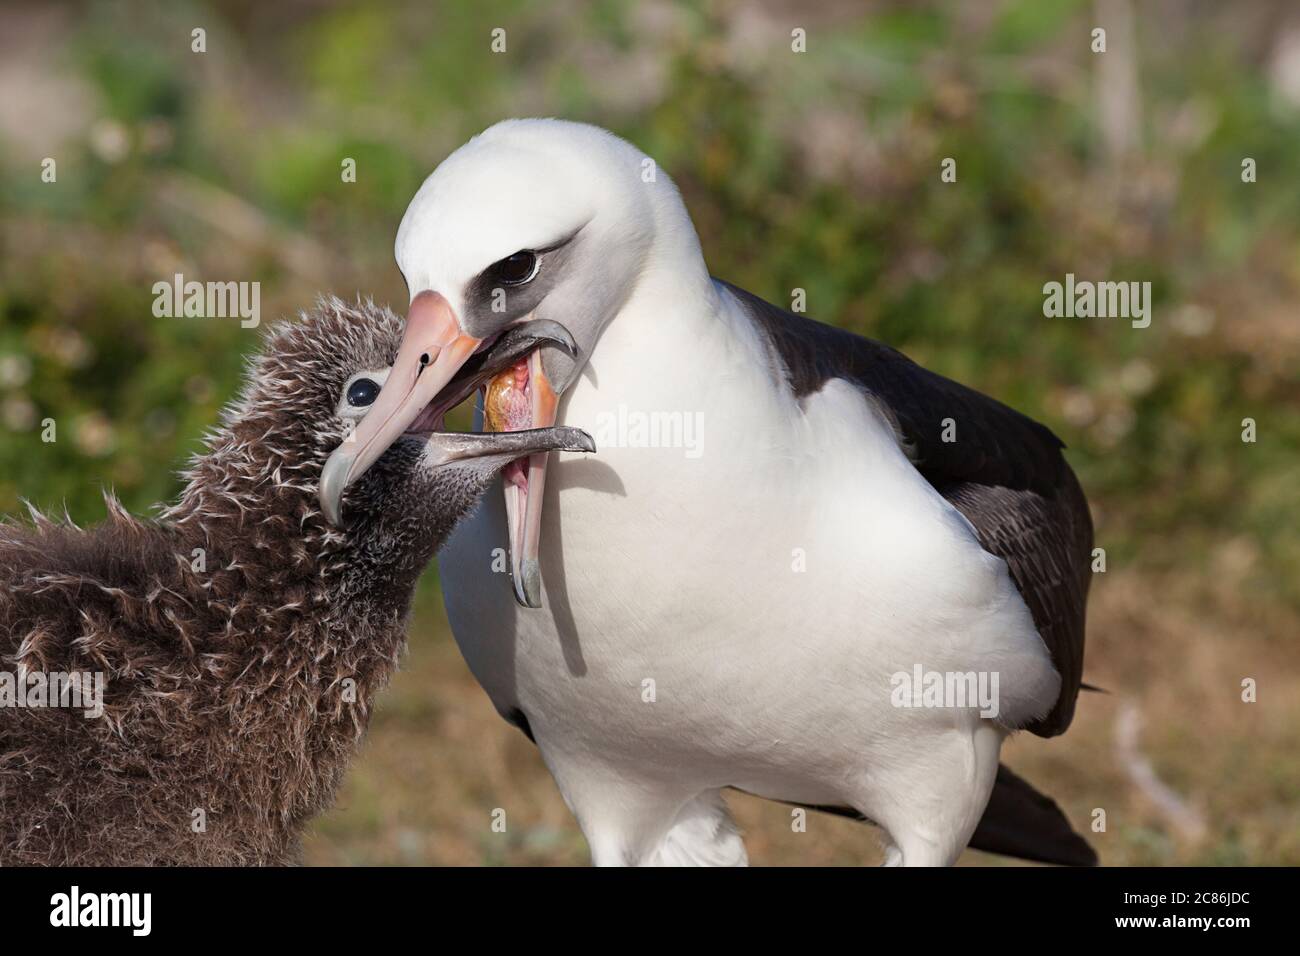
363 392
514 269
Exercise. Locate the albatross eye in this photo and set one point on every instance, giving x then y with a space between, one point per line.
363 392
515 269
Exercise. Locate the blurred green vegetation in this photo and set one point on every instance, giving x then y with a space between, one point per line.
818 171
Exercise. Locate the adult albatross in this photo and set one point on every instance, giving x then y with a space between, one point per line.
745 613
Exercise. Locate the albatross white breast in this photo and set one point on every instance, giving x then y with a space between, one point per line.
677 624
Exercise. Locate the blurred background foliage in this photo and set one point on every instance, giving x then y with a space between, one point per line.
819 171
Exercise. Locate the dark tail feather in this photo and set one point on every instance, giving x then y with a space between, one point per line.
1019 821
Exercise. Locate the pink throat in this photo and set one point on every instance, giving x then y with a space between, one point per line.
518 416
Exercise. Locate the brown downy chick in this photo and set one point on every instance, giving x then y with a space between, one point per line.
241 637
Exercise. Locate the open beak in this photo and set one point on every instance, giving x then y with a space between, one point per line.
525 479
435 355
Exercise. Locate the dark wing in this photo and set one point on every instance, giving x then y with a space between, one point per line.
1004 472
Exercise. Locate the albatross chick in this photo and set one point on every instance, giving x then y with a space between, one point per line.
240 637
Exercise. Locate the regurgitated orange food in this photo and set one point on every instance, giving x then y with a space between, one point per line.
507 406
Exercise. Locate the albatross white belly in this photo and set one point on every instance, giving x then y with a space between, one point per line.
734 619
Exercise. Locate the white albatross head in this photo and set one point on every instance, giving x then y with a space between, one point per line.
531 219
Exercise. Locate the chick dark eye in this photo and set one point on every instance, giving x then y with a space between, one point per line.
363 392
515 269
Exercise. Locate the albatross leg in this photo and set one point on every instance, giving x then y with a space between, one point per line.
623 818
704 834
645 823
699 832
930 806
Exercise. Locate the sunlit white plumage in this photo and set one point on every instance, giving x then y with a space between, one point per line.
726 620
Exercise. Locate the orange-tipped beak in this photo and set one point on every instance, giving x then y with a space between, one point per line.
433 349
